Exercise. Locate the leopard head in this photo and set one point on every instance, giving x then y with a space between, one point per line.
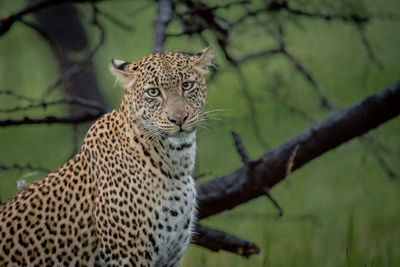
164 92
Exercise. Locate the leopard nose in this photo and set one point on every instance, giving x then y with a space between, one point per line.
178 119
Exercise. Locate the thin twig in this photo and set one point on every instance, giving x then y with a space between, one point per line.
115 21
44 105
51 120
240 148
253 112
17 96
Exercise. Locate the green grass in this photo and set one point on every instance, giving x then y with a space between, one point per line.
340 209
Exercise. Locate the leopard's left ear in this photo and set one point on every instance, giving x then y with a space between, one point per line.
124 72
205 60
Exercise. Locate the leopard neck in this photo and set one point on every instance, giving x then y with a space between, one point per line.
173 155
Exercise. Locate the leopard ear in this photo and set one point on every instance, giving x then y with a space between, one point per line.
204 60
124 72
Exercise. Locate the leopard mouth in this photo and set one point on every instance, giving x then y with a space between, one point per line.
176 132
182 132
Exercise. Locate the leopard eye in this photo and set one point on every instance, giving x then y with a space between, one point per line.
153 92
187 86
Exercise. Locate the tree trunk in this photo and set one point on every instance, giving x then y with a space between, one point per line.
62 23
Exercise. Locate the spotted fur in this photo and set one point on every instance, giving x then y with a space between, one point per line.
127 199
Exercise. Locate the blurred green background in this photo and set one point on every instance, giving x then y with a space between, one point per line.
341 209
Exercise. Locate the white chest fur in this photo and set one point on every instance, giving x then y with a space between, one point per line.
178 208
174 230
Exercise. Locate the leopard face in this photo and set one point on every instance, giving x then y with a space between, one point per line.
165 92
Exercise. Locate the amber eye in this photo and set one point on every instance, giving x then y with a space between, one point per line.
153 92
187 86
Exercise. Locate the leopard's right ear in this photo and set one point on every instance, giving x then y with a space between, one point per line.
124 72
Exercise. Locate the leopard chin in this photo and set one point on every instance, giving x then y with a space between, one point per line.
182 137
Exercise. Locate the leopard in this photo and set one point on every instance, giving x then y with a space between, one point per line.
127 198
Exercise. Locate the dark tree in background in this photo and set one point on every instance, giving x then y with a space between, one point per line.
62 24
59 24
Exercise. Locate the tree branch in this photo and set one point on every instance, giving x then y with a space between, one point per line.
216 240
39 104
277 6
52 120
238 187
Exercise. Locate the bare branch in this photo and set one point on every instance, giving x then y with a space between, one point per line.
236 188
52 120
216 240
202 175
115 21
258 55
47 92
274 202
324 100
367 46
78 101
368 142
278 6
96 23
17 96
49 39
206 8
298 65
240 148
251 105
